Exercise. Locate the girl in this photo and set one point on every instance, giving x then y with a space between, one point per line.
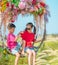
12 42
29 38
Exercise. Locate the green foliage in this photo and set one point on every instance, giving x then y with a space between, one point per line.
4 59
16 2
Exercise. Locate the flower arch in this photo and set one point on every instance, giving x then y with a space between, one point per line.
9 10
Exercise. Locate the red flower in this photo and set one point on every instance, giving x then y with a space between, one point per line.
34 2
12 6
7 4
42 4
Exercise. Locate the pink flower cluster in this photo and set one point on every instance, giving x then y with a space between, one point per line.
31 5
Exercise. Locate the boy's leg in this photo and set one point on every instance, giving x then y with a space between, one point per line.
34 56
29 56
17 58
23 46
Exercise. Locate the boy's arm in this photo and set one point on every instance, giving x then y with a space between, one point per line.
16 38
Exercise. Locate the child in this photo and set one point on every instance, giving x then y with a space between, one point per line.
29 38
12 42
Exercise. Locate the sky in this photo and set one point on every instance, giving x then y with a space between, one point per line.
52 25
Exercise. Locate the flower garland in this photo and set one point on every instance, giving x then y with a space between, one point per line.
35 7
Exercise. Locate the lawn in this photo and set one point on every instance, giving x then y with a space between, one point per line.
47 55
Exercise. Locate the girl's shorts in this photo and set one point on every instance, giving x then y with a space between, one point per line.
16 49
32 48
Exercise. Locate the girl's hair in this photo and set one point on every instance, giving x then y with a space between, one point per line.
32 26
11 25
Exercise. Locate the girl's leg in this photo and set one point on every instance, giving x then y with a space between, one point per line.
34 56
29 52
17 58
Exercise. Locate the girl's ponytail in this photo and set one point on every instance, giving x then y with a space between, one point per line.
34 30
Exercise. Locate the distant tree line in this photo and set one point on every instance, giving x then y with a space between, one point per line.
53 35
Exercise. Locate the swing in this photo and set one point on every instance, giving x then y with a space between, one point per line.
36 48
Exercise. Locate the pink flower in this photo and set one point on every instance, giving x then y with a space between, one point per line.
39 0
31 9
39 6
22 0
13 18
22 5
26 0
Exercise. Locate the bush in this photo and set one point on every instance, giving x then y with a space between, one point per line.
4 59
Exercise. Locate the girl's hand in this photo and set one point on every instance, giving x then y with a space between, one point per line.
37 41
30 42
20 33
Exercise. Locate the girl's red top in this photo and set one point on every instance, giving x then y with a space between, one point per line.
28 37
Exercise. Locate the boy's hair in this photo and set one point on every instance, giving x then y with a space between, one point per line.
11 25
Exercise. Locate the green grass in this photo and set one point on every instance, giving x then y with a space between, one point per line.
51 58
52 44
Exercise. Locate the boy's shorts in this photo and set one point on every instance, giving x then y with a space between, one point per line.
16 49
32 48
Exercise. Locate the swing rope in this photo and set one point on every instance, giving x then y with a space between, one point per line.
43 38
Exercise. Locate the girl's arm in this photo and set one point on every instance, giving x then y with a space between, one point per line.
37 41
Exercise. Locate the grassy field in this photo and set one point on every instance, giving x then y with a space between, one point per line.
47 55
